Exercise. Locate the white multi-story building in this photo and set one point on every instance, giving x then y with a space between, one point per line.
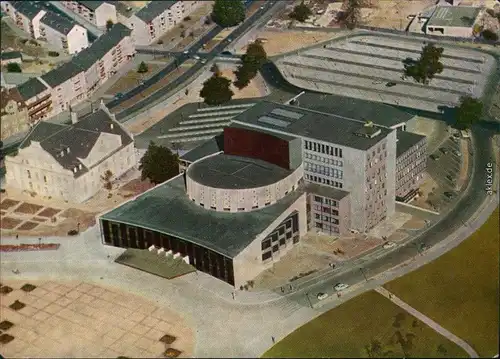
96 12
59 31
156 18
46 25
76 80
69 161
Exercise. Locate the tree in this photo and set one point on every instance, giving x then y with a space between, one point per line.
228 13
489 35
106 179
215 70
109 24
300 12
426 67
158 164
216 90
14 67
252 61
351 15
468 112
143 68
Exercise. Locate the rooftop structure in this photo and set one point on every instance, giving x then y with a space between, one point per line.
406 140
454 16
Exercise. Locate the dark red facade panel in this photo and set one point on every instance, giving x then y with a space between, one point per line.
254 144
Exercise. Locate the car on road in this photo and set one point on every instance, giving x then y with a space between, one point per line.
340 286
322 296
185 52
388 245
444 150
390 84
449 194
434 157
204 61
118 95
226 53
229 40
457 153
451 179
196 57
332 265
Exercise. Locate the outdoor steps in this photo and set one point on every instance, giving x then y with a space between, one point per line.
203 125
205 132
288 307
216 113
206 120
218 108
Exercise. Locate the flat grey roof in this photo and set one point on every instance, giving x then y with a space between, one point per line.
326 191
167 209
9 55
235 172
454 16
213 145
406 140
315 125
356 109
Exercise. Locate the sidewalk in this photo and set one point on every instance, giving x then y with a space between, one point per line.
460 342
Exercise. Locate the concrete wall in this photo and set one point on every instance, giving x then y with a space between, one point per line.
410 167
70 92
322 212
450 31
248 264
104 13
77 39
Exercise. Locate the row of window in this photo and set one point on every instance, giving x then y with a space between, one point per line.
323 170
411 172
326 160
326 218
325 149
323 181
269 254
326 227
377 150
327 201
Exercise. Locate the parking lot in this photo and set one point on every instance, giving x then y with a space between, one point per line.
371 67
444 165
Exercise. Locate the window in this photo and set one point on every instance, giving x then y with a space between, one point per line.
274 237
288 224
29 173
340 152
281 230
296 239
335 212
282 241
266 256
266 243
319 225
317 216
318 199
276 248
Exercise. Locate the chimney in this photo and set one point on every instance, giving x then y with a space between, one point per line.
80 166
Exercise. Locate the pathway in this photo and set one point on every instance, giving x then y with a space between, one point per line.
428 321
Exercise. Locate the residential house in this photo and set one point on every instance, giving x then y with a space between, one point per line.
25 14
37 95
13 113
96 12
69 161
59 31
156 18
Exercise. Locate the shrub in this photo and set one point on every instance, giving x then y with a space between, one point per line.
5 289
33 42
187 18
14 67
6 338
28 287
17 305
489 35
6 325
53 53
160 42
208 21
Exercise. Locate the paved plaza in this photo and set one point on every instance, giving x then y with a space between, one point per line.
371 67
77 319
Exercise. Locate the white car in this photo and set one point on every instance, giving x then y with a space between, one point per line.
204 61
340 286
196 57
389 245
322 296
186 52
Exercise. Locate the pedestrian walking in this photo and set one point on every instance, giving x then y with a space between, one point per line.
274 340
232 294
17 236
338 295
290 287
390 295
282 290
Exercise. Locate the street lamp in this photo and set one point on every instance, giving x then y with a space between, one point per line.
309 300
363 272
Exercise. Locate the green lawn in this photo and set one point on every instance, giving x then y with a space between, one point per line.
366 326
460 289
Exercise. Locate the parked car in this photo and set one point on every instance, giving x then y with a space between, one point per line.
388 245
457 153
322 296
390 84
444 150
196 57
449 195
226 53
72 232
119 95
185 52
434 157
340 286
332 265
450 178
204 61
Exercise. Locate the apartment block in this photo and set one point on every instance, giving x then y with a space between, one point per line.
76 80
96 12
68 161
13 113
11 57
43 24
411 164
37 95
156 18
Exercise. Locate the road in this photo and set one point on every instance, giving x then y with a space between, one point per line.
259 16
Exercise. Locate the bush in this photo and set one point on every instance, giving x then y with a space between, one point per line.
14 67
208 21
489 35
143 68
33 42
187 18
53 53
160 42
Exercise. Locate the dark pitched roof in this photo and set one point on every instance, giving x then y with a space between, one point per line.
57 22
167 209
31 88
86 58
28 8
91 5
9 55
299 122
61 74
406 140
153 10
80 138
213 145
